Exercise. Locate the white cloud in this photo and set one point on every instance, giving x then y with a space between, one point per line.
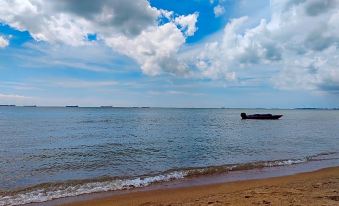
130 27
70 21
187 23
3 42
300 38
219 10
296 46
154 49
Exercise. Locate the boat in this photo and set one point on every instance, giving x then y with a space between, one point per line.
260 116
72 106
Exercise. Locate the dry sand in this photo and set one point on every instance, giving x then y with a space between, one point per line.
313 188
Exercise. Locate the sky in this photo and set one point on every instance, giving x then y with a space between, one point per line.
170 53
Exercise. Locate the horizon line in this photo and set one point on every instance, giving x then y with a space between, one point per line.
168 107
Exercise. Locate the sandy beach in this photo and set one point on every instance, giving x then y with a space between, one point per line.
313 188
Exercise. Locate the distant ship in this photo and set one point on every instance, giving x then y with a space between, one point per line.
260 116
7 105
106 106
72 106
30 106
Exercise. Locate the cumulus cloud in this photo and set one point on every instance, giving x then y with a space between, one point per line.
130 27
129 16
300 39
187 23
156 49
3 42
69 21
219 10
296 46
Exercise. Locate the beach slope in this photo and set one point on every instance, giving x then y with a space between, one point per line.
312 188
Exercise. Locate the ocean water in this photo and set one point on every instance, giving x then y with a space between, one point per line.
51 152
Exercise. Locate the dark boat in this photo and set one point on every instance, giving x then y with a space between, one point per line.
260 116
72 106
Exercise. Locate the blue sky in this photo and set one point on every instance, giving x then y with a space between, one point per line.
191 53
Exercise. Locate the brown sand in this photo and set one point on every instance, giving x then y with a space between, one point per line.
313 188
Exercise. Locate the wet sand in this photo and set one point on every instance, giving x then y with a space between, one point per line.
313 188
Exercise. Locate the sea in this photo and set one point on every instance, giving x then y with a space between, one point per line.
48 153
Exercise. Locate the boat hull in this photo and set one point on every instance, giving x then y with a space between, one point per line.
273 117
261 116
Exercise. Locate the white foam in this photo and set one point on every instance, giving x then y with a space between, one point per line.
42 195
284 162
50 193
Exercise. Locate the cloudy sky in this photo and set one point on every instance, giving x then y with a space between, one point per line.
170 53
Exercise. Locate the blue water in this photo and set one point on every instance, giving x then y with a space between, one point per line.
84 146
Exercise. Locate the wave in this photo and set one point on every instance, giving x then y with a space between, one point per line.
50 191
193 172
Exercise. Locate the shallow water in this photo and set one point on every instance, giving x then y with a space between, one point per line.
47 153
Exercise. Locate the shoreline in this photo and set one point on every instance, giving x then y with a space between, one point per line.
259 174
314 163
68 192
319 187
